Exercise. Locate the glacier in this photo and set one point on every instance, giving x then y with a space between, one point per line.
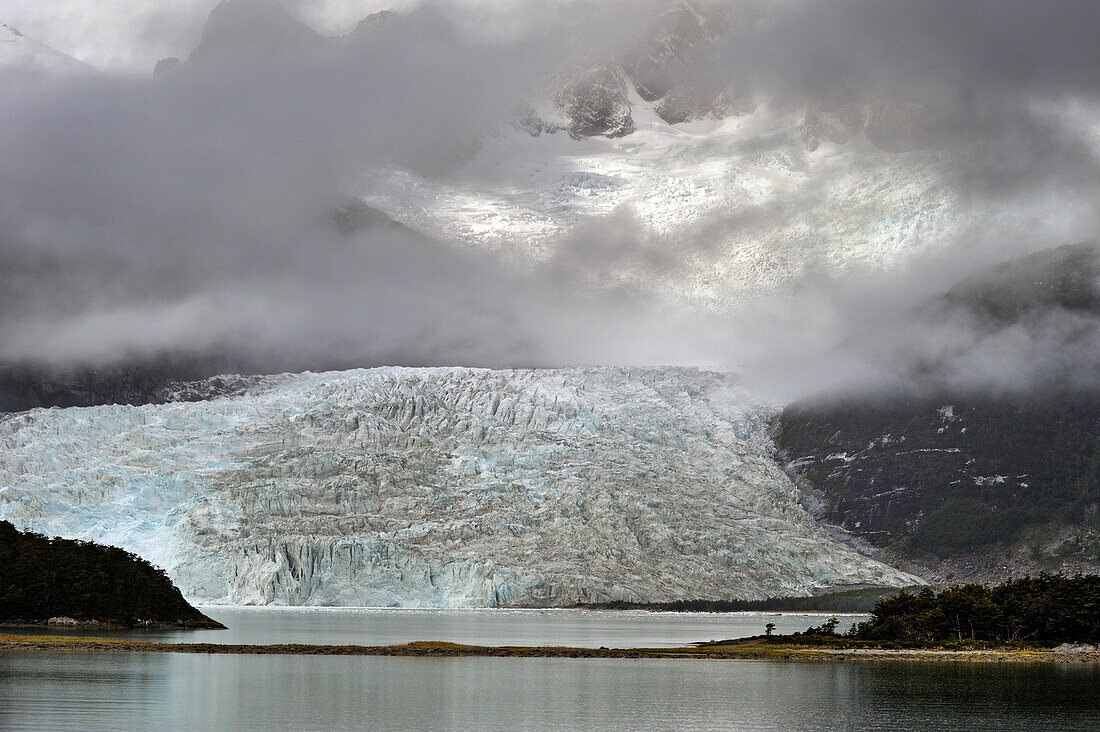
439 487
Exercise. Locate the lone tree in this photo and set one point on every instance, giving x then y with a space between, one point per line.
769 629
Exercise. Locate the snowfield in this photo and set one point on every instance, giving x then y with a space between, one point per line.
741 202
21 52
435 488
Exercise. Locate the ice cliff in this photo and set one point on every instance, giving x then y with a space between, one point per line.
435 487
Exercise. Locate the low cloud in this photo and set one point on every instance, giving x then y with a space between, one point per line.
190 211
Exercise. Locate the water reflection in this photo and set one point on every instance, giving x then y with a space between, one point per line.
169 691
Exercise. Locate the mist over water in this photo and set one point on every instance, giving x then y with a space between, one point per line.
192 212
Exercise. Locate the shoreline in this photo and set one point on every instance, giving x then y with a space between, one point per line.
519 610
742 651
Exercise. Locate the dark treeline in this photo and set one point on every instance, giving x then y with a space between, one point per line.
1044 610
845 601
42 578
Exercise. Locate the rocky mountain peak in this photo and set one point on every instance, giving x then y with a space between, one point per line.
372 23
667 55
243 29
671 67
597 103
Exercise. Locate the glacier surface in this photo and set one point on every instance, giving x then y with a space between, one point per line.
445 487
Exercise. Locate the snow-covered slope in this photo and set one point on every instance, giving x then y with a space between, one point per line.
733 192
741 203
435 487
744 191
16 50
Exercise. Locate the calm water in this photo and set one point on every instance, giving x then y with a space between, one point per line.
60 691
364 626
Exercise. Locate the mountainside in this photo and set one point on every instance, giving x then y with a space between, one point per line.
1063 279
740 203
283 200
749 193
29 386
436 487
974 487
242 31
974 483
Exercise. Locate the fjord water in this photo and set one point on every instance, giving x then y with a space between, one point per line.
72 690
75 690
382 626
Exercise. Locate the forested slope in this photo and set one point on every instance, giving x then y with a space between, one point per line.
43 578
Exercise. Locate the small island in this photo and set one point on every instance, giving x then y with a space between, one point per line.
66 582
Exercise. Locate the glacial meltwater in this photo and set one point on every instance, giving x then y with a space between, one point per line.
487 627
55 690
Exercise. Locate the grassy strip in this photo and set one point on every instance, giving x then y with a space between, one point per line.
741 650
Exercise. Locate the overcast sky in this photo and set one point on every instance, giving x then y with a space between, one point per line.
141 214
132 35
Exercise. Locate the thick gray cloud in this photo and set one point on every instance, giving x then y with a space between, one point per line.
973 46
190 211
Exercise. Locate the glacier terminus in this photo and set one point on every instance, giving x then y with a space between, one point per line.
437 487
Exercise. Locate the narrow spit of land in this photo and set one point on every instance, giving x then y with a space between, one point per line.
751 649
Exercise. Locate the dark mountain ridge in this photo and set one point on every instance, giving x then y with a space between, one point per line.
968 481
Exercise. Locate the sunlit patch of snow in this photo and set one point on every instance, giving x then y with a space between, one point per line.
744 191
